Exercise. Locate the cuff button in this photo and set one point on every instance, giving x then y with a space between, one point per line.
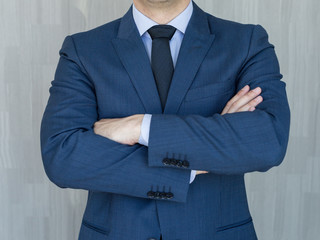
166 161
157 195
169 195
185 163
173 162
151 194
163 195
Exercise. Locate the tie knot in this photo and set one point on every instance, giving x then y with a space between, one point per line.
162 31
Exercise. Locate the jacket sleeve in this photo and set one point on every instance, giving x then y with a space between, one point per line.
75 157
233 143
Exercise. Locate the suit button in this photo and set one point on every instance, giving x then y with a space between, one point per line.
157 195
166 161
163 195
179 163
169 195
152 239
150 194
185 163
173 161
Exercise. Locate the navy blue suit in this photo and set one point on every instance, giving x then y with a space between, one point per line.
138 192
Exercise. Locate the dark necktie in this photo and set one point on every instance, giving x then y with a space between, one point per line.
161 60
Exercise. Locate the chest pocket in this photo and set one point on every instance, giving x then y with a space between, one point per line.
210 90
207 100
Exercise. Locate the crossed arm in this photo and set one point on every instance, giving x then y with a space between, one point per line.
127 130
243 138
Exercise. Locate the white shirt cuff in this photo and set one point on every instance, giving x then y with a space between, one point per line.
192 175
145 129
144 138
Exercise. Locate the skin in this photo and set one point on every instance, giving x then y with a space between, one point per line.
127 130
161 11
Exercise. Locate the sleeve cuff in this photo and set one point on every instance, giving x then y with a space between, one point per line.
192 175
145 129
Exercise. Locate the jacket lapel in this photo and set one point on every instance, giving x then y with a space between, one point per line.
134 58
131 51
196 43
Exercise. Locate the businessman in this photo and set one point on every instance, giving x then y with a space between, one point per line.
159 114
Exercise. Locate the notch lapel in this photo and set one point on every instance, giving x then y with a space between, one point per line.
132 53
195 44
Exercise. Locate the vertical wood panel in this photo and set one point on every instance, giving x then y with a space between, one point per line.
285 201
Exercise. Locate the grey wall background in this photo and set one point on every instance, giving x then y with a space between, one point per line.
285 202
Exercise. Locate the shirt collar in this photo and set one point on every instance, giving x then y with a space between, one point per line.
180 22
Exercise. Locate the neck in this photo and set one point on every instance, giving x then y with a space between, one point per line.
161 11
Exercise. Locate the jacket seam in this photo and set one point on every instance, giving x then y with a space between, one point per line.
82 66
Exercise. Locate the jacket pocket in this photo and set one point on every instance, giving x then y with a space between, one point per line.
89 231
235 225
209 90
95 228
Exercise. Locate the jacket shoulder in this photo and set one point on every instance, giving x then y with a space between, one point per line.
236 31
223 25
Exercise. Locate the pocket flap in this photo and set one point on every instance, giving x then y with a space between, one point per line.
90 231
207 91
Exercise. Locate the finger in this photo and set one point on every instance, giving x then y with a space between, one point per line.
252 104
244 100
242 92
201 172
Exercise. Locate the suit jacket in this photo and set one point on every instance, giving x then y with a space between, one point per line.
138 192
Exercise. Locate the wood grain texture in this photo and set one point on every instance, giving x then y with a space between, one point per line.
285 201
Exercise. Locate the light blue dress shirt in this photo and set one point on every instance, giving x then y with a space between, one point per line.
143 24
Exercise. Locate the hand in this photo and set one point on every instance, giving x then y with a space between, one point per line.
201 172
122 130
244 100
